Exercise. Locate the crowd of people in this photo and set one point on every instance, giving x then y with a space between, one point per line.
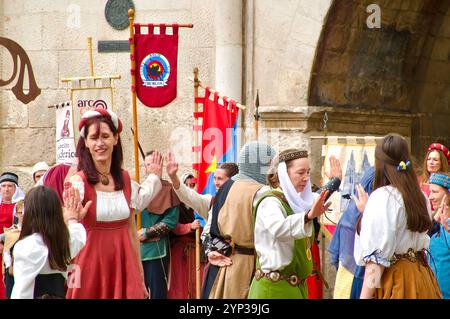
74 234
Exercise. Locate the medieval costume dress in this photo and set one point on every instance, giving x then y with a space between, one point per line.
107 267
183 267
439 254
440 260
349 276
6 221
183 257
283 242
232 235
384 239
33 276
158 219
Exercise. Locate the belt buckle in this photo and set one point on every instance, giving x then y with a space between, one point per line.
294 280
258 274
412 255
274 276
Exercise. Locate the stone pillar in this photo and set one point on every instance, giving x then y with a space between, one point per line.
228 23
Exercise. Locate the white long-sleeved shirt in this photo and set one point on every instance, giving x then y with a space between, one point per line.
384 231
198 202
31 260
275 234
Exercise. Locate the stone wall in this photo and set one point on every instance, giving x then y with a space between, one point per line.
59 49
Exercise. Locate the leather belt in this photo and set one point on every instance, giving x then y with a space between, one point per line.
243 250
410 255
275 276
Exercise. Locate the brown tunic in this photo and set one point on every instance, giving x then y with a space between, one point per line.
235 222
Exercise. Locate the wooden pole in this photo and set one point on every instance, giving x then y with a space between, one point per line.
197 231
190 25
91 61
133 90
95 77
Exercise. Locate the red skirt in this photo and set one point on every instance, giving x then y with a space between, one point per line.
107 267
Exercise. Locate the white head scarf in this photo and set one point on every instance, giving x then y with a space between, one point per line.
299 202
18 195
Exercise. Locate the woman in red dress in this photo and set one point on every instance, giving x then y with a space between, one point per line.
109 265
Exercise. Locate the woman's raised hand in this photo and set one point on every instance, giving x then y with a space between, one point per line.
444 212
171 165
319 207
335 168
362 198
73 208
156 164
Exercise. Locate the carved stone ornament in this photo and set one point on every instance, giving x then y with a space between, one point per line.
116 13
20 61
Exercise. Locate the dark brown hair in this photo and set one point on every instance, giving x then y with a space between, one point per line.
85 161
444 165
44 215
390 151
230 168
272 176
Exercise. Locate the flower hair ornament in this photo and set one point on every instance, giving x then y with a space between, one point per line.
402 166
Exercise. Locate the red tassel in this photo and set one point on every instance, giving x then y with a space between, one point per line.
137 28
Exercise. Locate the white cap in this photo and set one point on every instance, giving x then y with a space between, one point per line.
39 166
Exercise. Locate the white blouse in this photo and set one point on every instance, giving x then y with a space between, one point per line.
384 229
31 260
275 233
112 206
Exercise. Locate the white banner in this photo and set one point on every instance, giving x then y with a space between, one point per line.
65 142
356 155
86 98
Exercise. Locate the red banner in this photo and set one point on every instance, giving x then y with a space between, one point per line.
156 65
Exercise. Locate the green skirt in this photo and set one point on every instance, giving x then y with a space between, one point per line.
265 289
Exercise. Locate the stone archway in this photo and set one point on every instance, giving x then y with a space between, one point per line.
398 74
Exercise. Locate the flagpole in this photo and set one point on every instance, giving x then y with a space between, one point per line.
133 91
257 116
197 231
91 61
190 25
